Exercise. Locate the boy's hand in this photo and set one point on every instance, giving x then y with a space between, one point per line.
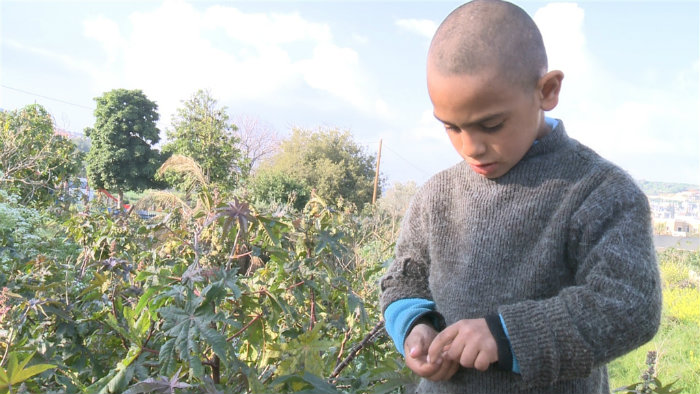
416 348
468 342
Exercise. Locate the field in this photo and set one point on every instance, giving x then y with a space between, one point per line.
677 343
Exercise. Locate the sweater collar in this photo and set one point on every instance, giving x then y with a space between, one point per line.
555 140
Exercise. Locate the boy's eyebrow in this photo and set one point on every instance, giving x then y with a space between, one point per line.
475 122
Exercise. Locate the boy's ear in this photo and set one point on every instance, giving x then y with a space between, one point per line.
548 88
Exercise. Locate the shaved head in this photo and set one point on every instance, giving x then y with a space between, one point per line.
490 35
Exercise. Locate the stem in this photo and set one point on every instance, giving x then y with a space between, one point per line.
116 318
342 347
239 332
216 370
371 336
313 309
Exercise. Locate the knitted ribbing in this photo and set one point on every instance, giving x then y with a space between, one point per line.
560 246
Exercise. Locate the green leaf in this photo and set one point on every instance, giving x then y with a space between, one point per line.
27 373
4 379
269 227
188 326
167 357
319 384
17 373
12 364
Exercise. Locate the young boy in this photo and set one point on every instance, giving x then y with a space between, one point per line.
529 265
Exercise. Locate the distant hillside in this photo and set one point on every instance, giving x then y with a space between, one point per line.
655 188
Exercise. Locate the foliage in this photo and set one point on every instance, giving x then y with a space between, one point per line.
18 372
212 296
678 338
257 141
655 188
271 186
396 199
18 226
203 132
650 383
330 162
34 161
121 155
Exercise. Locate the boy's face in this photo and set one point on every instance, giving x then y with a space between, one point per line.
491 122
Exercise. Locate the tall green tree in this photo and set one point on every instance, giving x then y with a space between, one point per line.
121 155
202 131
35 162
330 162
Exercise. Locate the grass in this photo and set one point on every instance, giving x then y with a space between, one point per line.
678 341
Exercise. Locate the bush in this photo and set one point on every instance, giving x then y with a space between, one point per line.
276 187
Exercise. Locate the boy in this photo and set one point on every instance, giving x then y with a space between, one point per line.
529 265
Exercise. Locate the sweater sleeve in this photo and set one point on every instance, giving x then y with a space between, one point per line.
614 304
407 276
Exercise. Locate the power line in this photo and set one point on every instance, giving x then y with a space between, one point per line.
48 98
407 161
368 143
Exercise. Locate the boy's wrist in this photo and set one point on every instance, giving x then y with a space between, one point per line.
505 355
433 319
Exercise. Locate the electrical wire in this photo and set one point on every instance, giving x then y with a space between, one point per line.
47 97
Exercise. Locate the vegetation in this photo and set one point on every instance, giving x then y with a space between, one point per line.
330 162
121 155
202 131
268 287
678 340
656 188
35 163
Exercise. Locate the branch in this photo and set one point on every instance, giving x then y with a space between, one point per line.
342 346
369 338
239 332
312 312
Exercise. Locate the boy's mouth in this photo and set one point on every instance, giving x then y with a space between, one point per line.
483 169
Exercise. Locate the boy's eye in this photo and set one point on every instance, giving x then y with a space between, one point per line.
491 127
452 128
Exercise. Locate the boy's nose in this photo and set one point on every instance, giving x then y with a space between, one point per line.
472 146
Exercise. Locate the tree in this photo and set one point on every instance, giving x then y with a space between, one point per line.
396 199
34 160
330 162
202 131
257 141
277 187
121 155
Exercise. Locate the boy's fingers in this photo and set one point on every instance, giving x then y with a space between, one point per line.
416 351
483 361
468 357
441 341
445 371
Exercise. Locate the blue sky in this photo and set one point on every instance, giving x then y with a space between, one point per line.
631 86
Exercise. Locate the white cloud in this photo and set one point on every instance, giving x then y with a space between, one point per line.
423 27
105 31
428 129
625 121
61 58
174 50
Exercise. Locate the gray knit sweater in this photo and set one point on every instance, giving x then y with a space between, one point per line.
560 246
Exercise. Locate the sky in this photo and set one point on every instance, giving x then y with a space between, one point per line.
630 91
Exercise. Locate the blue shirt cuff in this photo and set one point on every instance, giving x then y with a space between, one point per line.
400 316
516 367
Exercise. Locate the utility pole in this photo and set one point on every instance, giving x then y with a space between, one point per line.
376 173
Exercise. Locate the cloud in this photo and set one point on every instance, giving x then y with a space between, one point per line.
106 32
423 27
67 61
175 49
428 129
628 122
